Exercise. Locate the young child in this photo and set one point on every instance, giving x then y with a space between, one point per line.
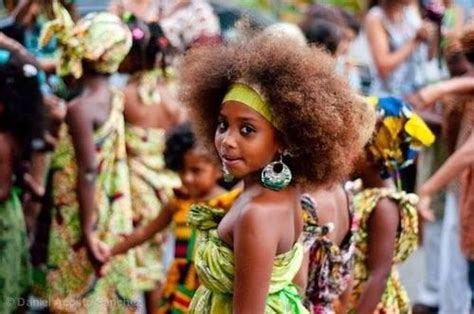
199 173
20 122
150 110
387 219
254 102
90 183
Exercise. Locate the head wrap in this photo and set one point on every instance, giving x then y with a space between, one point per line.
400 134
249 96
99 38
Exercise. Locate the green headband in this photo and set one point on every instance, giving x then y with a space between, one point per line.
248 96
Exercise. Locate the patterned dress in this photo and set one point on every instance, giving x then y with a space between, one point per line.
214 261
330 265
182 281
394 298
74 286
15 271
148 178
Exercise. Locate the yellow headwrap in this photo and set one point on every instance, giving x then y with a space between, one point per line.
100 38
247 95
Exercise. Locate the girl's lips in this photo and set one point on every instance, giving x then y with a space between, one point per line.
230 161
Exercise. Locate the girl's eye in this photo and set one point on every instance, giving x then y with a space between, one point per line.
221 126
247 130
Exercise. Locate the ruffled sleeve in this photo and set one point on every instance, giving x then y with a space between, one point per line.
407 237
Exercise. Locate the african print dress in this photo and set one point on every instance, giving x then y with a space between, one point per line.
214 262
15 270
394 298
148 180
182 281
74 285
330 265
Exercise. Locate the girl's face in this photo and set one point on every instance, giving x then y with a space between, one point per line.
245 141
199 174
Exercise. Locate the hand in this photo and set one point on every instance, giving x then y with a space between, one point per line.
424 208
99 252
34 187
423 33
56 108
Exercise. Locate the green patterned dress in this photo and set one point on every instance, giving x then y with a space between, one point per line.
74 286
148 178
394 298
214 262
15 271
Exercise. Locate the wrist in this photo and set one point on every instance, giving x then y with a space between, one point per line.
424 191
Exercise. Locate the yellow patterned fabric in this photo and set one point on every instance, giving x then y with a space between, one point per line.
148 178
214 262
394 298
73 284
99 38
400 134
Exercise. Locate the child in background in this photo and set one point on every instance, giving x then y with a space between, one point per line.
199 173
387 217
20 122
90 183
150 110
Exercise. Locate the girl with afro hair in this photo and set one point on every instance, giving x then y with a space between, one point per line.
281 120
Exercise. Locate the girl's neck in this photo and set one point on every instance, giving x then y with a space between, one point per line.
94 82
252 180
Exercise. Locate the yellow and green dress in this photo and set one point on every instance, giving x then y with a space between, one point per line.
73 284
214 262
149 179
394 298
15 270
182 281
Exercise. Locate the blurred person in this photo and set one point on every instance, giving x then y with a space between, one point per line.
30 17
146 10
335 29
150 110
90 183
394 34
21 116
386 215
433 295
461 90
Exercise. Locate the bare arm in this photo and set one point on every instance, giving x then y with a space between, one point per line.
255 246
382 228
141 235
385 60
80 125
24 11
455 164
432 93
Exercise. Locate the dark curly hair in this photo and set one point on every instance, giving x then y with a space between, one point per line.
149 42
21 97
323 123
179 141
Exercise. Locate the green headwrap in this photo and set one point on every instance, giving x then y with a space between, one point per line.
100 38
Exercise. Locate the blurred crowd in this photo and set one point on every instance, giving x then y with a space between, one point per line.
100 165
